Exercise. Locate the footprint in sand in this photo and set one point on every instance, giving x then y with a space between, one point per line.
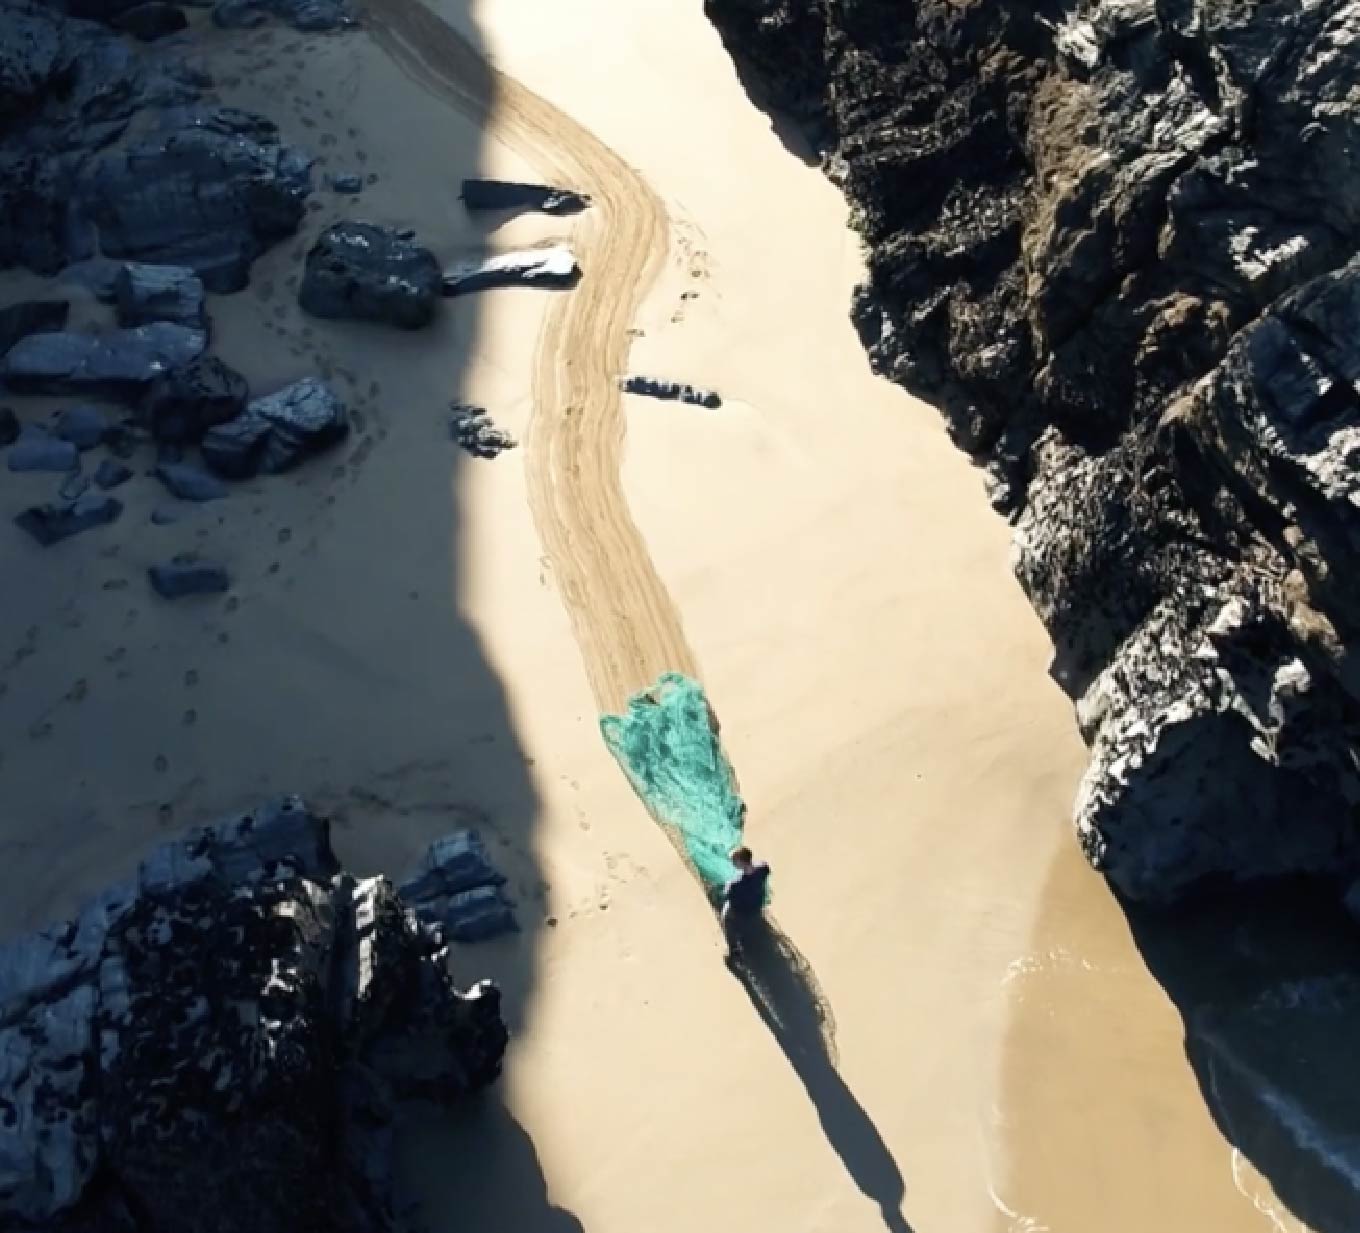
161 764
191 677
79 691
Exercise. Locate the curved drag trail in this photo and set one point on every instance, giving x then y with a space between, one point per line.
624 620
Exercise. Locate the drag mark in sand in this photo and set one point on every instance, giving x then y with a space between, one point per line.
624 620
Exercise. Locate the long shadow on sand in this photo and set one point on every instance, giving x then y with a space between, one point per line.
786 995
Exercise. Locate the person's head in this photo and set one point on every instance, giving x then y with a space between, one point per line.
741 858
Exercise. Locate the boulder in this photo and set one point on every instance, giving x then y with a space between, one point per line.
245 1008
31 317
535 267
183 403
49 524
83 426
37 450
370 273
187 576
511 195
147 293
235 449
474 430
190 483
119 363
151 21
211 191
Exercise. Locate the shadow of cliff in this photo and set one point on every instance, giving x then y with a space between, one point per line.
785 993
1267 983
476 1168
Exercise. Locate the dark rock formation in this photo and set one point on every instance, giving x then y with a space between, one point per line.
1110 240
220 1042
147 293
188 576
31 317
277 432
457 893
189 483
49 524
535 267
119 363
511 195
9 426
652 387
371 273
474 430
182 404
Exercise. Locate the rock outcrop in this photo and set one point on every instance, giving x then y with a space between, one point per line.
1113 241
371 273
219 1043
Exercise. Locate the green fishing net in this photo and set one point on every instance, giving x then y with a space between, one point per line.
667 744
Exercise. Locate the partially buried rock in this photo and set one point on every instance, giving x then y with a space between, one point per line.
347 182
188 576
84 427
474 430
49 524
36 450
370 273
278 431
190 483
511 195
536 267
120 363
31 317
151 21
9 426
73 486
182 404
111 473
147 293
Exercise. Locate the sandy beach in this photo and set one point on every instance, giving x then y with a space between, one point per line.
418 640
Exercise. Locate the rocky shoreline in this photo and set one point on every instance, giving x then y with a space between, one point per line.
224 1040
1115 243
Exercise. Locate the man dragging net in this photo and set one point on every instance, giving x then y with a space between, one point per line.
743 900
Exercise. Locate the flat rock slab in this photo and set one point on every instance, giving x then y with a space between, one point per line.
31 317
36 451
512 195
181 577
120 363
49 524
536 267
146 293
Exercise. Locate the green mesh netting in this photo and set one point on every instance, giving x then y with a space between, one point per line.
668 747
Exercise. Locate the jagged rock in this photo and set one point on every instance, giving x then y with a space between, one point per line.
32 317
83 426
453 863
186 576
278 431
38 450
477 915
371 273
119 363
242 1008
211 191
49 524
511 195
151 21
182 404
473 429
536 267
673 390
159 293
189 483
9 426
112 474
1111 241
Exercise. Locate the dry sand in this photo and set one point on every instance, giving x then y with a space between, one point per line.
414 642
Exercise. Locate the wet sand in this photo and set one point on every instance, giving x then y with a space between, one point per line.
401 649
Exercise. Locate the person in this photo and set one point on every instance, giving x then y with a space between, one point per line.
743 898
